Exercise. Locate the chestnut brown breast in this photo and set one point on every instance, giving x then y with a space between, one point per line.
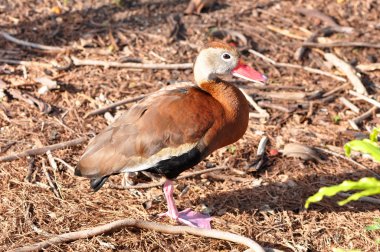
168 132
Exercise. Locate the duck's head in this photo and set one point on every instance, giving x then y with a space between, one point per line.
220 59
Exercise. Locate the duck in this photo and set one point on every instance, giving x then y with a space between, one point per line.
173 130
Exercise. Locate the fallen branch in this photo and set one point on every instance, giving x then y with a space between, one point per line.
43 150
53 185
349 160
339 44
25 63
357 120
368 67
308 69
33 45
72 169
348 70
161 183
300 52
349 105
90 62
337 89
365 98
281 108
325 18
119 224
254 104
113 105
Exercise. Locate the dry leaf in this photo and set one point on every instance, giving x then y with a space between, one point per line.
301 151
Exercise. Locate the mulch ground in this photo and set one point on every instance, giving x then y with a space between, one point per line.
265 205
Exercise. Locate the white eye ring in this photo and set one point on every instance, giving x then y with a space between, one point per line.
226 57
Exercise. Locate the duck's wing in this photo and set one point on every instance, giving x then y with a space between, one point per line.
167 126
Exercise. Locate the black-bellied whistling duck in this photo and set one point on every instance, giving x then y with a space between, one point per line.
170 131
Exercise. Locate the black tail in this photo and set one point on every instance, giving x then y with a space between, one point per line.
77 171
97 183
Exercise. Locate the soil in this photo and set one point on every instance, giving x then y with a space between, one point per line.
266 205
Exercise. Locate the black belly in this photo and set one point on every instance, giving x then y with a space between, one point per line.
172 167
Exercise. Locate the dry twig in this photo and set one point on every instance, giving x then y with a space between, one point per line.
25 63
365 98
348 70
340 44
33 45
357 120
335 90
308 69
119 224
90 62
300 52
113 105
53 186
349 105
368 67
349 160
254 104
43 150
325 18
279 107
161 183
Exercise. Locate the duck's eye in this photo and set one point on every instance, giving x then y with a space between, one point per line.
226 56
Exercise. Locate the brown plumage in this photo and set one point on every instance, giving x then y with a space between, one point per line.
173 130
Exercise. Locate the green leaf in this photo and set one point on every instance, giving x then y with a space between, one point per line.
336 119
345 250
374 134
367 187
364 146
372 227
375 226
231 149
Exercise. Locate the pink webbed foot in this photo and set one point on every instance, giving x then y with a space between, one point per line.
191 218
186 216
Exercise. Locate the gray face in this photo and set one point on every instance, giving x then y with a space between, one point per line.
212 62
221 60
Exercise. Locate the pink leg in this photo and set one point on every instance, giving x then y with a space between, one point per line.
187 216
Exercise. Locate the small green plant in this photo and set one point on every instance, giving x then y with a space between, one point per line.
336 119
231 149
367 146
375 226
365 186
345 250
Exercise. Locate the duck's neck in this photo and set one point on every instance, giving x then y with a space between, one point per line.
235 106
